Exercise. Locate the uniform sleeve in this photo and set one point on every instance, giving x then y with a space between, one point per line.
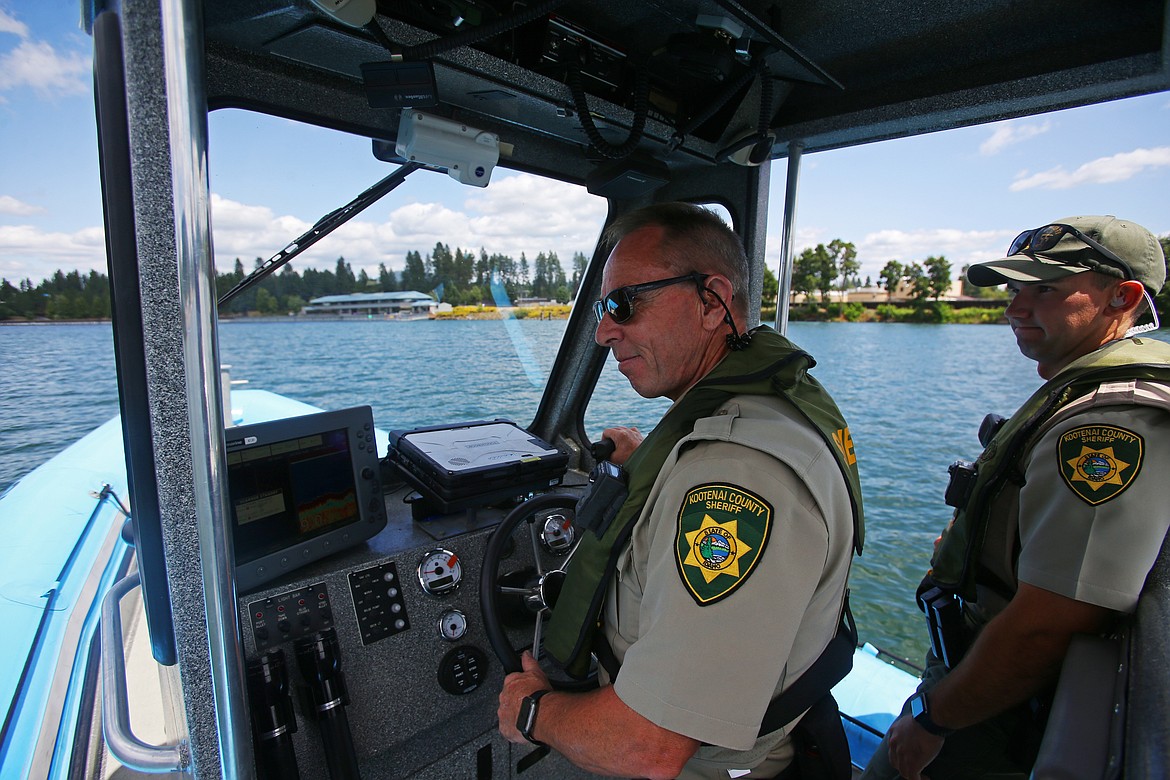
708 670
1096 505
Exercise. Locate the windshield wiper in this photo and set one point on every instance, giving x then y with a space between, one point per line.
326 225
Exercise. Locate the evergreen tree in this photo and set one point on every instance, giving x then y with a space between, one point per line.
556 276
540 276
580 262
464 268
414 275
386 279
483 268
346 281
524 277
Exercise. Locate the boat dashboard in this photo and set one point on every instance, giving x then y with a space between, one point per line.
369 654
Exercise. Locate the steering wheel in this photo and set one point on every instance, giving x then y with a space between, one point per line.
528 589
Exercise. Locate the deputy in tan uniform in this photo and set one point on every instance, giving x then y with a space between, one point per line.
1070 496
741 521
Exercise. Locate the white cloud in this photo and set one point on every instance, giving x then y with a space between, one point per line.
959 247
29 252
10 205
10 24
1103 170
1011 133
38 65
532 215
517 214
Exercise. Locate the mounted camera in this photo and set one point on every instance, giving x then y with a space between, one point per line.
467 154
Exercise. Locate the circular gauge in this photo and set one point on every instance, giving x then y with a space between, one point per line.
452 625
440 572
557 534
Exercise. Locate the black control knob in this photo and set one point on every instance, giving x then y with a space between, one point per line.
601 450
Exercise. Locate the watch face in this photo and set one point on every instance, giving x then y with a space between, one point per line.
917 705
527 717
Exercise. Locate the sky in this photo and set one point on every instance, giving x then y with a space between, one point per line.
963 194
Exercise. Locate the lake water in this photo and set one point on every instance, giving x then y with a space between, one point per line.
914 396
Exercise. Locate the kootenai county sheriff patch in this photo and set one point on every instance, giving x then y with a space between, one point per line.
722 531
1099 461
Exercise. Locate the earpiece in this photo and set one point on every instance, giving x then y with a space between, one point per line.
1118 302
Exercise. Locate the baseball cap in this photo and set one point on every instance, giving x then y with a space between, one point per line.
1033 258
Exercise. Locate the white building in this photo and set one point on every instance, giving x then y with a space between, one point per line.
408 304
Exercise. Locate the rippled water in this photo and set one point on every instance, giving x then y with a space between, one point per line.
913 394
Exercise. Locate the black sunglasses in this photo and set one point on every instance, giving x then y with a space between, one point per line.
1042 239
619 304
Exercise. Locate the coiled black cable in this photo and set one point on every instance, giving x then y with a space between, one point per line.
641 108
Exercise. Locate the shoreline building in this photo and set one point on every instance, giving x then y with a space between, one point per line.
408 304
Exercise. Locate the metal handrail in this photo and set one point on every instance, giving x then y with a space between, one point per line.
788 236
185 90
127 748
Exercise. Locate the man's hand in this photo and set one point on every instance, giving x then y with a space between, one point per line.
911 747
625 441
594 729
516 686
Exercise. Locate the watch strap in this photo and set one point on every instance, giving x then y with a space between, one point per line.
920 711
526 718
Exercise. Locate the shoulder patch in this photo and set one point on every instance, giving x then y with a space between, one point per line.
1098 462
722 531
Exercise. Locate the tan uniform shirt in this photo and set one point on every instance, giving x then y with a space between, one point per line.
709 670
1095 506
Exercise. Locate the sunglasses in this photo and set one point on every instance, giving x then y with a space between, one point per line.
1042 239
619 304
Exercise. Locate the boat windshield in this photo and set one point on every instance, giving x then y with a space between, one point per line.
436 291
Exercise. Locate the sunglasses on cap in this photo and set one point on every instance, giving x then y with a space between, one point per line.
619 304
1042 239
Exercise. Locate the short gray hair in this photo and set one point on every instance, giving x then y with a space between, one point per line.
693 239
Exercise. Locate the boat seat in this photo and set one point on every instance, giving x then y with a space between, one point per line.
1112 703
1147 737
1083 736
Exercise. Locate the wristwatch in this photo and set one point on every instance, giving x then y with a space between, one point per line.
526 719
920 711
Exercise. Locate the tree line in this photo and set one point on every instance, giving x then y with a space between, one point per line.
460 278
468 278
834 267
63 296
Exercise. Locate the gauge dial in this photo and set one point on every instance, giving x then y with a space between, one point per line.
557 534
440 572
452 625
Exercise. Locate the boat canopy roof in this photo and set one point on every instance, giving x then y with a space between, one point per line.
407 296
837 73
